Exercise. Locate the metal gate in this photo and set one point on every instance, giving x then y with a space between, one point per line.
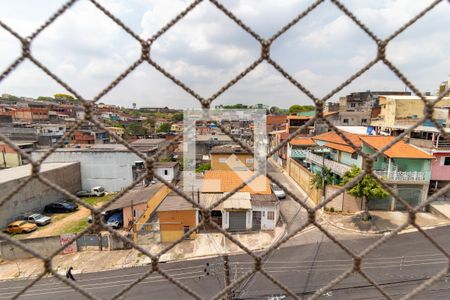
237 220
256 220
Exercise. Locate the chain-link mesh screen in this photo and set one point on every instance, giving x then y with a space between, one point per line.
265 56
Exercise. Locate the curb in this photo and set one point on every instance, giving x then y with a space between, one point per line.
383 232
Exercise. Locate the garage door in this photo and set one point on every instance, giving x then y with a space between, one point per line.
237 220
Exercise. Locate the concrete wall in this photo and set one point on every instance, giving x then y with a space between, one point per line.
343 202
171 172
35 195
112 170
303 178
44 246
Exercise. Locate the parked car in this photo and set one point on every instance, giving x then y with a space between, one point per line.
104 217
96 191
115 220
61 207
38 219
278 191
20 227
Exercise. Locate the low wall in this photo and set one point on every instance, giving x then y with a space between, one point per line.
343 202
302 177
44 246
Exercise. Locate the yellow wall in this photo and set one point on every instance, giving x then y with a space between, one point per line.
152 204
171 224
237 160
9 156
303 178
392 109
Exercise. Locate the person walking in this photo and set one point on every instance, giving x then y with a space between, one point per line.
69 274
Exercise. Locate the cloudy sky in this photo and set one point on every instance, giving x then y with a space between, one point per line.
206 49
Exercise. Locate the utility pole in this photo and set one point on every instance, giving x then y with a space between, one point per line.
226 269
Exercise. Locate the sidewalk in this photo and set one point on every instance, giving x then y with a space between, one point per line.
205 245
383 221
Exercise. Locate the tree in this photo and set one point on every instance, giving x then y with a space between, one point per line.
135 128
367 189
321 179
294 109
163 127
64 97
203 167
43 98
177 117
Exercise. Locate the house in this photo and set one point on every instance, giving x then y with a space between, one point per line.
138 204
167 170
205 142
176 216
31 115
404 167
298 147
356 109
274 123
119 131
231 157
162 145
253 207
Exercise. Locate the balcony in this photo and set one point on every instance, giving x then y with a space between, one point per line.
335 166
403 176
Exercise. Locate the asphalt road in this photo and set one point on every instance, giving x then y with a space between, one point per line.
398 265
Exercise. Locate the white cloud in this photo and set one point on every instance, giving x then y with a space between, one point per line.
206 49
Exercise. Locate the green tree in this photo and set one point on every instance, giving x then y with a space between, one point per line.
203 167
135 128
65 97
163 127
177 117
367 189
294 109
321 179
43 98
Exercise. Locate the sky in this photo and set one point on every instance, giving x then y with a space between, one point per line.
206 49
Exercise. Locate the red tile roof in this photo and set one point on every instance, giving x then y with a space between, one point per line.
340 147
304 141
398 150
333 137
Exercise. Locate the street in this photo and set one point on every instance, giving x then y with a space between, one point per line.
398 265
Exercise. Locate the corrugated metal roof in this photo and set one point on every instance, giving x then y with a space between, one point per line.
137 195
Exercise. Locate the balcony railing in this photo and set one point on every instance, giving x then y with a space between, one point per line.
336 167
403 175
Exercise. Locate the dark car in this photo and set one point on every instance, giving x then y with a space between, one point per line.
60 207
115 220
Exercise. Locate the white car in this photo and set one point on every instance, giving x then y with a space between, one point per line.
38 219
278 191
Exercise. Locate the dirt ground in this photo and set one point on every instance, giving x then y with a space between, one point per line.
58 226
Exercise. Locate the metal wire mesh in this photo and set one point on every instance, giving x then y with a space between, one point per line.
258 259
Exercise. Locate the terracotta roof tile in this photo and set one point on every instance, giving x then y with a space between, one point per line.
340 147
398 150
333 137
226 181
305 141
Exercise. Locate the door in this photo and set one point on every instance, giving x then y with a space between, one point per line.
237 220
256 223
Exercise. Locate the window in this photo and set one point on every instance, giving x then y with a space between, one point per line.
355 155
345 121
363 120
249 160
222 160
270 215
446 161
166 172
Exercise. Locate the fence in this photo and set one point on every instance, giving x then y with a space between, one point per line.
302 177
358 257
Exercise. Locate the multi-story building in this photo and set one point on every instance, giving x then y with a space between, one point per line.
356 109
30 115
404 167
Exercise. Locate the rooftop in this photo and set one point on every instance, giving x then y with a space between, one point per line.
226 181
137 195
340 147
302 141
143 142
333 137
175 202
398 150
273 120
226 149
24 171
